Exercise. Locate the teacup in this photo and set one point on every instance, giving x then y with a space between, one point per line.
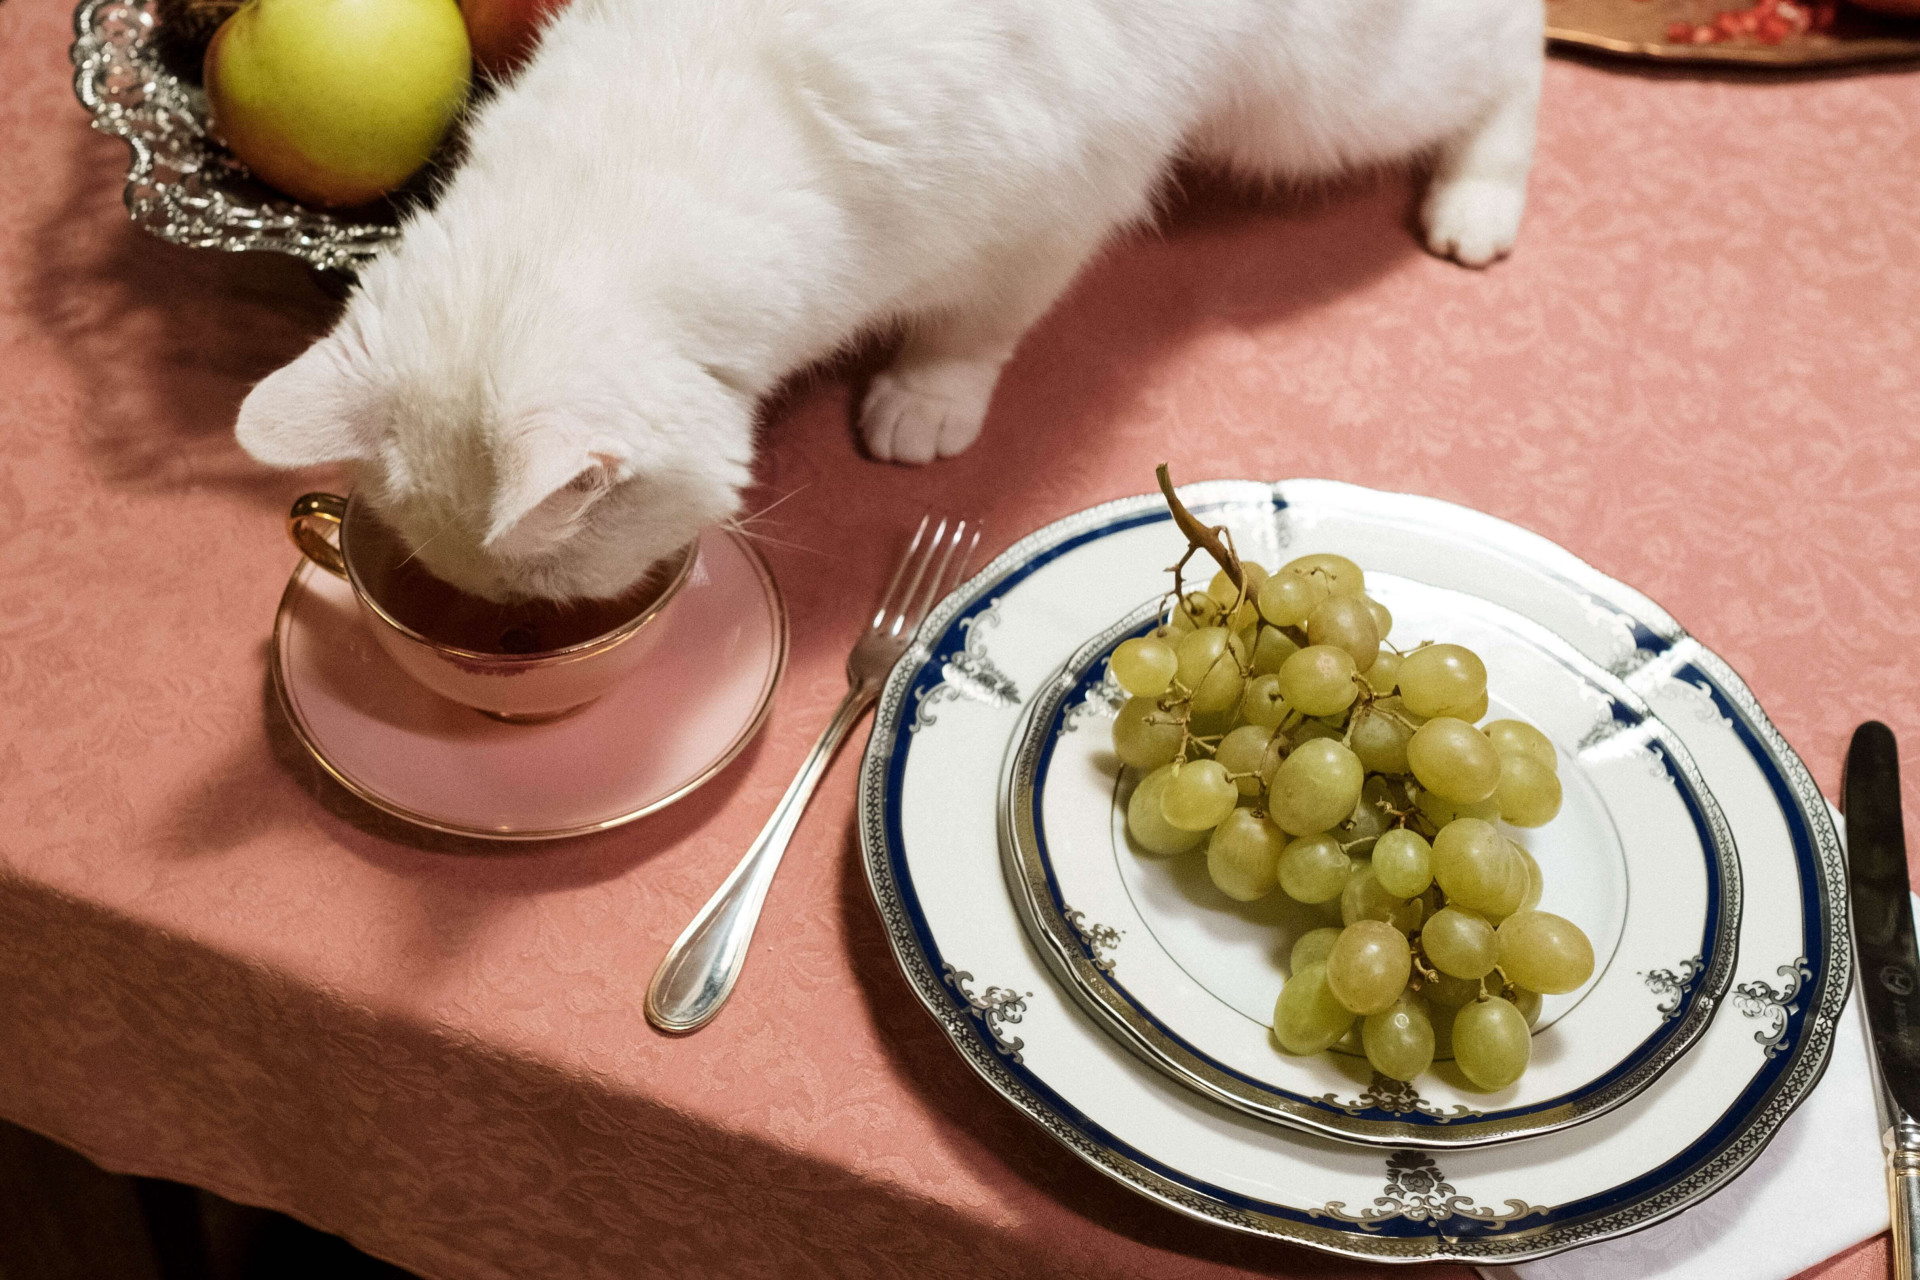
522 663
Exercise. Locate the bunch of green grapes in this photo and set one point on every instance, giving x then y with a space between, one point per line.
1273 725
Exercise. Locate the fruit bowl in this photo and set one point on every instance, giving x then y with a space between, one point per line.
183 185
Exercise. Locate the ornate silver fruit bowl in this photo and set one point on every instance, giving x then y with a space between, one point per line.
182 184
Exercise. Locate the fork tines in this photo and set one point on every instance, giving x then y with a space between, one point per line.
907 608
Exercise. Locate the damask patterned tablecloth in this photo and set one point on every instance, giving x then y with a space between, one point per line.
1701 371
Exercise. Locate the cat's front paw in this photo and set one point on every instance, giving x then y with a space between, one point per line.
1474 221
916 412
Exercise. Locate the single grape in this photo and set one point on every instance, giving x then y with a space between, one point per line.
1307 1018
1318 680
1369 966
1449 992
1471 861
1389 795
1262 703
1198 795
1403 863
1365 898
1199 609
1271 648
1517 737
1528 792
1529 1003
1384 674
1379 739
1460 942
1143 666
1491 1043
1513 889
1382 619
1314 869
1367 824
1177 624
1144 736
1442 1017
1342 576
1536 883
1226 594
1438 678
1544 952
1451 758
1441 812
1326 913
1244 855
1145 823
1287 598
1214 724
1310 730
1315 787
1243 751
1312 947
1209 665
1345 623
1473 712
1399 1039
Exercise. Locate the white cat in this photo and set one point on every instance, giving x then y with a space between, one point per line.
550 381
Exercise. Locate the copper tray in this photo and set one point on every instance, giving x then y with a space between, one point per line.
1638 29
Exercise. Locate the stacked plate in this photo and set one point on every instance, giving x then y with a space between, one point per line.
1124 1004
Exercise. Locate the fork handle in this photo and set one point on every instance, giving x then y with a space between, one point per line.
702 965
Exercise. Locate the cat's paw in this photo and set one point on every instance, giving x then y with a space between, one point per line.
1474 221
927 409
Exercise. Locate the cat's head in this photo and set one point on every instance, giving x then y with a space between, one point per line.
522 452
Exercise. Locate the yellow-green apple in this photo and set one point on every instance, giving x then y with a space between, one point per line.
337 101
503 31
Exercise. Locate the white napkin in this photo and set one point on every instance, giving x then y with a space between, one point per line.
1819 1187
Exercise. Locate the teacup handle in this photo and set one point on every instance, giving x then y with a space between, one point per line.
310 512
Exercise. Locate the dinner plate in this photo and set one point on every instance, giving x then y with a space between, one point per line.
929 787
1640 857
663 731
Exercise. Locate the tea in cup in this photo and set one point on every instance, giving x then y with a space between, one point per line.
524 662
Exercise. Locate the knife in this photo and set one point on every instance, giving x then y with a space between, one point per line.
1889 971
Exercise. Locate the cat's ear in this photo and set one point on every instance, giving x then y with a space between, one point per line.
306 413
550 474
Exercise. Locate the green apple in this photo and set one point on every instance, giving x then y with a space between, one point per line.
337 101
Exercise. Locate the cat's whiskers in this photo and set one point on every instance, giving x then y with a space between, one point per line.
761 513
425 542
768 539
740 525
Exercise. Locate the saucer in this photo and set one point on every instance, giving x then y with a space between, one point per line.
657 736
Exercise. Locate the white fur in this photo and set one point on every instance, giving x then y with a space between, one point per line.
550 381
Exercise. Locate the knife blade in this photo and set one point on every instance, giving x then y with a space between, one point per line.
1882 911
1888 968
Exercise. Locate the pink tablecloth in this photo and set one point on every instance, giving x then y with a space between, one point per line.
1701 371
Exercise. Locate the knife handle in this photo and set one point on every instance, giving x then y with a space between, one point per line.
1902 1145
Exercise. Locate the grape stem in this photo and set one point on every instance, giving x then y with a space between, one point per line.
1200 535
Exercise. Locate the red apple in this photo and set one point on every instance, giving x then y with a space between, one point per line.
503 32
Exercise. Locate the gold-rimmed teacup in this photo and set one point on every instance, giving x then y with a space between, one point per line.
520 663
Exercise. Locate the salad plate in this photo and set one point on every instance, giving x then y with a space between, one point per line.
1640 857
930 787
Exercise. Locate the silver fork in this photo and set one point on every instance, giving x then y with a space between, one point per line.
702 965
